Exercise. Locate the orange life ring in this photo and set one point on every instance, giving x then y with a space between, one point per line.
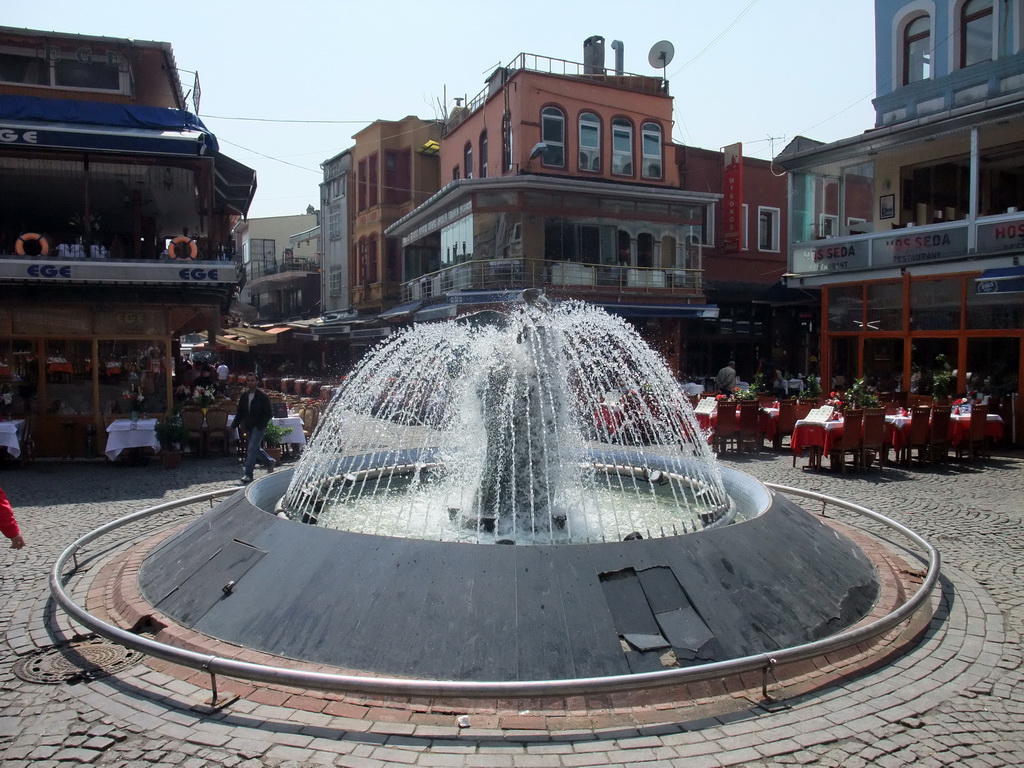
32 237
181 240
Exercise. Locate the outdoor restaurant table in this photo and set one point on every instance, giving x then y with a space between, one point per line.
125 433
295 422
959 426
766 420
11 435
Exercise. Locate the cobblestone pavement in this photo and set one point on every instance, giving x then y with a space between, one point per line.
956 699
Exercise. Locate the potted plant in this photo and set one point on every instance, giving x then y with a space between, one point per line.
172 436
272 437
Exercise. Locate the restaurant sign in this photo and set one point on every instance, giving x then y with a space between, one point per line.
99 271
902 249
1001 236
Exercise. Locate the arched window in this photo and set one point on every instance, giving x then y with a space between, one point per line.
483 154
650 139
590 142
917 50
552 133
622 147
467 161
976 33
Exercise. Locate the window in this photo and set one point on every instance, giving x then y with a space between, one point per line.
397 176
456 172
917 50
622 147
976 23
768 229
552 133
374 180
337 274
744 223
361 184
334 221
80 69
507 143
483 155
650 134
467 161
590 142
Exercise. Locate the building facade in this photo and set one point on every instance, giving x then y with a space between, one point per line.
280 256
913 230
561 175
116 208
336 211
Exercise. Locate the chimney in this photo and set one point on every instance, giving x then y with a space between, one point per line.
617 47
593 55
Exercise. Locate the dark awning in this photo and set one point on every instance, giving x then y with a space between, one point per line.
1000 280
662 310
401 311
234 184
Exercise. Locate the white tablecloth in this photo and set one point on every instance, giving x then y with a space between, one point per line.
11 434
125 433
296 435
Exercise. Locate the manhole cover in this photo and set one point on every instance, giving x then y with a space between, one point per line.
82 658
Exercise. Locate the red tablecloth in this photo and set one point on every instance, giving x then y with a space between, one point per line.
811 435
766 421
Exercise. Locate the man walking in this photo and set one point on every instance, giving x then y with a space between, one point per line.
253 415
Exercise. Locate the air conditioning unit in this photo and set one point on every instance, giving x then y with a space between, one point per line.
590 160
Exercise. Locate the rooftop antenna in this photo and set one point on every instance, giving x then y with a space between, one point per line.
661 55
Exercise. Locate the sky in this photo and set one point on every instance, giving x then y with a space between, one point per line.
284 87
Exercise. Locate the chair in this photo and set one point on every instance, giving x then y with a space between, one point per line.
785 421
974 443
749 430
917 436
938 434
849 441
217 430
28 440
192 418
726 426
310 420
873 441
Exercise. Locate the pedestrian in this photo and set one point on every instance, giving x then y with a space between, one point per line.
252 416
8 525
725 381
222 373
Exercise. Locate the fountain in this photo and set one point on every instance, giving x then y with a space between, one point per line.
553 430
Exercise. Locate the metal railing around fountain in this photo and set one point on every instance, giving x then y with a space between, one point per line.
763 662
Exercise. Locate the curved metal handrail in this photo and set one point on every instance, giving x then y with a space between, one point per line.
215 665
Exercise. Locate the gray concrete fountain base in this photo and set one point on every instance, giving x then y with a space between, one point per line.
452 611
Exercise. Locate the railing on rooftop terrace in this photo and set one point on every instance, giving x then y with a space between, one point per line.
531 62
500 274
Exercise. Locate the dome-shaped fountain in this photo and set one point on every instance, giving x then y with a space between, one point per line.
554 429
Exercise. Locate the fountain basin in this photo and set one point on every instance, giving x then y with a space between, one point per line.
402 607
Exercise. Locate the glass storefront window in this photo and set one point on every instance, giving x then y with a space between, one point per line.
928 357
68 368
883 364
845 308
19 369
992 366
885 307
994 311
129 370
935 305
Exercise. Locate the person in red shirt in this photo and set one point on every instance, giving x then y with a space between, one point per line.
8 525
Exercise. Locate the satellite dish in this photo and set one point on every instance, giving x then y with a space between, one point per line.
661 54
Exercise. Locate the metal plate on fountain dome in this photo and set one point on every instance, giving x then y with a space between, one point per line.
453 611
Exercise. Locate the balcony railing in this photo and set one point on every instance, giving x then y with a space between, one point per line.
909 246
537 273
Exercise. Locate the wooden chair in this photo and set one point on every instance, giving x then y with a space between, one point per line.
749 429
28 440
938 434
310 420
849 442
873 442
192 419
217 431
785 421
726 426
917 434
974 443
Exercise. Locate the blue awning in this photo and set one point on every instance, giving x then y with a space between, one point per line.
709 311
1000 280
103 138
